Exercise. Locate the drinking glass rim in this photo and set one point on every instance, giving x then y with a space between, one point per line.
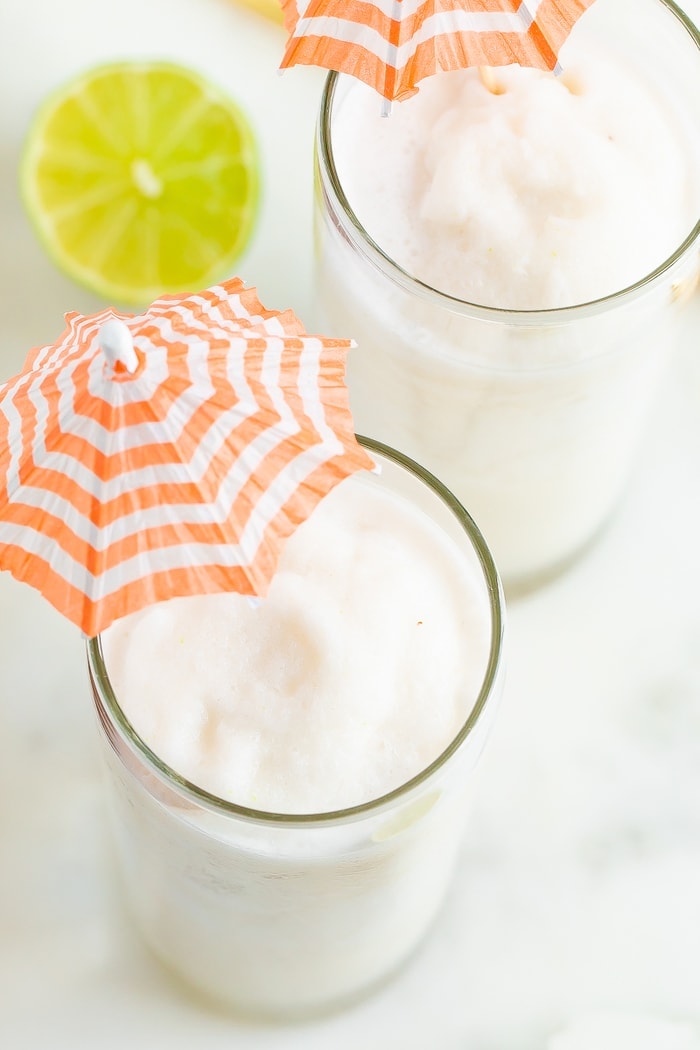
541 318
105 698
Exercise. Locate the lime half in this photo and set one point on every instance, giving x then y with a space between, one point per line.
141 178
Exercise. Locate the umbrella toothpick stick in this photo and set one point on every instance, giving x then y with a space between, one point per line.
487 76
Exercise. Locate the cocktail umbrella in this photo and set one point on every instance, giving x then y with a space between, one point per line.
394 44
167 454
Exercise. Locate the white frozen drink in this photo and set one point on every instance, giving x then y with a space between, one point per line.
528 195
335 724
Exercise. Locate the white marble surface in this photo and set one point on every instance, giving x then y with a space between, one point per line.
578 884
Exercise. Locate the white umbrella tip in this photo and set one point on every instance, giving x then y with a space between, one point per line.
117 344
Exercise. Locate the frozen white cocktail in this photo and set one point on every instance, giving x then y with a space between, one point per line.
290 777
512 251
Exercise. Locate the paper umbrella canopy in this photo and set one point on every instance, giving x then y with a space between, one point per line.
392 45
167 454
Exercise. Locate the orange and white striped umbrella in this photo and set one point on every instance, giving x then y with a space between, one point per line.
171 453
394 44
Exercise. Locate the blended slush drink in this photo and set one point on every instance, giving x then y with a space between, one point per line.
512 251
291 775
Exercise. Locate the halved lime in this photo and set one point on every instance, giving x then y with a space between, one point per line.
141 178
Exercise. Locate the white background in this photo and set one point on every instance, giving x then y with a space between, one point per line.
578 883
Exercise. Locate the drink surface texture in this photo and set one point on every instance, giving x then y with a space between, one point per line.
528 194
350 677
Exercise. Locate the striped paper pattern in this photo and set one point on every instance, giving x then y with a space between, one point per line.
394 44
119 490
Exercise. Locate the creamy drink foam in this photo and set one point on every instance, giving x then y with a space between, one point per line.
352 675
530 193
374 659
518 191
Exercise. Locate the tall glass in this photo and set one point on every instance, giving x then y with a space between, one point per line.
282 914
532 418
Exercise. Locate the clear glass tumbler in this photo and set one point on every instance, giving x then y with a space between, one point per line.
278 914
532 418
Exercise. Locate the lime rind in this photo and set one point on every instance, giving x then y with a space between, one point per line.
173 245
